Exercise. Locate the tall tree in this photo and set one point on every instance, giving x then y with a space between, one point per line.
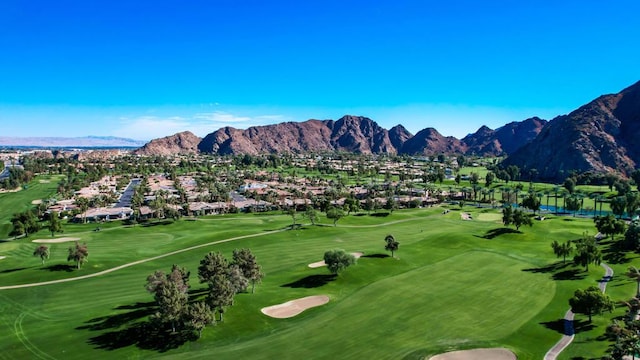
291 211
171 294
220 295
338 260
573 204
335 214
591 301
618 205
520 218
587 252
391 244
237 279
249 266
507 215
531 202
198 316
609 225
632 237
42 251
311 214
213 264
565 249
78 253
54 223
390 204
83 205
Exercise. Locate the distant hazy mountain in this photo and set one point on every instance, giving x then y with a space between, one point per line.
86 141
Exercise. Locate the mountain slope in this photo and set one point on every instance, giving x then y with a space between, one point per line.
350 133
504 140
430 142
181 143
599 136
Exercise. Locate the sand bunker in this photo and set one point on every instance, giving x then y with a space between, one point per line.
2 257
56 240
294 307
477 354
321 263
36 202
465 216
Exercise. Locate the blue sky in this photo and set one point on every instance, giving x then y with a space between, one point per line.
146 69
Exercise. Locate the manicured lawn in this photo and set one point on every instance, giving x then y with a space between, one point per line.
454 284
13 202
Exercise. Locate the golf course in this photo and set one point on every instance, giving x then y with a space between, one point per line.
456 282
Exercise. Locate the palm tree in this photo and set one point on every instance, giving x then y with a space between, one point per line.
556 190
392 244
43 252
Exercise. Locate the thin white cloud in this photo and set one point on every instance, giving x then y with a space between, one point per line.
221 117
148 127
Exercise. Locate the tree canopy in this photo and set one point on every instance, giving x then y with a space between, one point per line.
587 252
338 260
78 253
391 244
42 251
591 301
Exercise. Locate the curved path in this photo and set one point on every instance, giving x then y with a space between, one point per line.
139 261
553 353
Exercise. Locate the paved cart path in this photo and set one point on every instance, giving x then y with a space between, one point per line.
566 339
104 272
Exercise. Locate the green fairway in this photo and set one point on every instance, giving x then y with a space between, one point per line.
454 284
13 202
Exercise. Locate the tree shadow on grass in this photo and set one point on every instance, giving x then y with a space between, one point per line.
568 327
381 214
12 270
144 335
117 320
376 256
548 268
311 281
60 267
558 272
493 233
131 329
571 274
615 253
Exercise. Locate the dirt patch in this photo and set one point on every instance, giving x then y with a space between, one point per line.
477 354
294 307
321 263
56 240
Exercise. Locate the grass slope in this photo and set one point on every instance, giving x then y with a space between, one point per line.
455 284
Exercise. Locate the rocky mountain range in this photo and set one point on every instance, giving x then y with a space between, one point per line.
601 137
350 133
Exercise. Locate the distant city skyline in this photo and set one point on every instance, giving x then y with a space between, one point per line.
142 69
